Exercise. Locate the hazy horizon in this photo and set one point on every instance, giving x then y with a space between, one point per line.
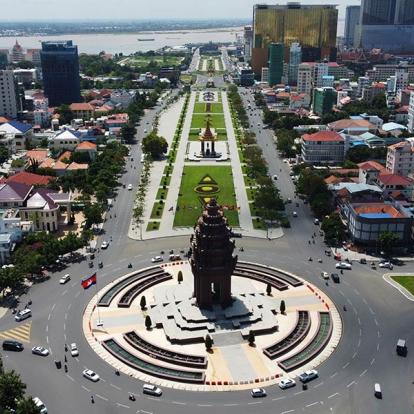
83 10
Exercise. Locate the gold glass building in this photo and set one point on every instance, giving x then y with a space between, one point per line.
313 26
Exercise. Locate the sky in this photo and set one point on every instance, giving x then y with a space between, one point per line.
140 9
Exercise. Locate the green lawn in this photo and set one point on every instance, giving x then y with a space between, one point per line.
141 61
406 282
189 203
200 107
200 121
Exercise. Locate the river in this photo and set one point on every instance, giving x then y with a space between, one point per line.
128 43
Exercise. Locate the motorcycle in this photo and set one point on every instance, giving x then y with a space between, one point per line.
130 266
131 397
310 259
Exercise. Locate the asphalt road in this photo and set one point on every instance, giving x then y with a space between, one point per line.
376 316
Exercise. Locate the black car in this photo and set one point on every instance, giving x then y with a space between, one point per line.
335 277
12 346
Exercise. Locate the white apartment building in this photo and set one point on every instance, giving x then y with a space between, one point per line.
401 79
410 123
400 158
8 95
320 70
363 82
265 75
305 79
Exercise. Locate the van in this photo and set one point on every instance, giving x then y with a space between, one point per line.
9 345
401 348
151 390
23 314
377 391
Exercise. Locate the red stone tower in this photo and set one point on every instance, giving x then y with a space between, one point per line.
212 261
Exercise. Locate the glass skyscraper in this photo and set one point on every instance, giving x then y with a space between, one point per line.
313 26
352 18
388 25
60 68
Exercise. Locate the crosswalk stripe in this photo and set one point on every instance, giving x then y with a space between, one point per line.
21 333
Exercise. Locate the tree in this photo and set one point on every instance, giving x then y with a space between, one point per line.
282 307
128 133
65 114
333 228
180 277
154 145
11 389
251 338
143 303
4 154
387 242
27 406
208 342
269 289
1 366
321 204
93 214
148 322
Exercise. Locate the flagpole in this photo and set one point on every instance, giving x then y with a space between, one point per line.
100 322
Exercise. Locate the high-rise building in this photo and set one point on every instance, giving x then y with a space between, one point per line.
313 26
3 60
295 59
248 42
410 123
275 63
384 23
305 79
320 70
324 100
352 19
60 68
17 54
265 75
9 102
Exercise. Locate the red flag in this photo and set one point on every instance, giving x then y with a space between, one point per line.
89 281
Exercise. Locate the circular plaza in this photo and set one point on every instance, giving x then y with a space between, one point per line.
212 323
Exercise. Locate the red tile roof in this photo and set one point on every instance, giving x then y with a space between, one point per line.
377 208
86 145
371 165
324 136
82 106
394 179
30 179
37 154
65 155
350 123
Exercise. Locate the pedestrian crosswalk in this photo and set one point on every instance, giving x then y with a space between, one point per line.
20 333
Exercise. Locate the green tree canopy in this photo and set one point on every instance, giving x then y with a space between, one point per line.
388 241
11 390
154 145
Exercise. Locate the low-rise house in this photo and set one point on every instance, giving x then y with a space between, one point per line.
10 233
65 140
89 148
43 209
395 185
83 110
14 135
369 172
14 194
29 179
352 126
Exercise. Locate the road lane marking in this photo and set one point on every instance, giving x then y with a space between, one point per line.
363 373
376 322
86 389
254 403
345 365
123 405
204 405
355 354
333 395
178 403
70 305
48 318
71 378
77 294
64 292
318 385
279 398
115 386
287 412
311 404
297 393
53 307
101 397
359 321
359 343
377 346
350 384
66 316
371 311
372 361
333 375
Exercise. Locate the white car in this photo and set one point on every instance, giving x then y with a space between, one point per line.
287 383
386 265
308 375
64 279
129 187
157 259
325 275
258 392
90 375
343 265
74 350
40 350
104 245
151 390
39 404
